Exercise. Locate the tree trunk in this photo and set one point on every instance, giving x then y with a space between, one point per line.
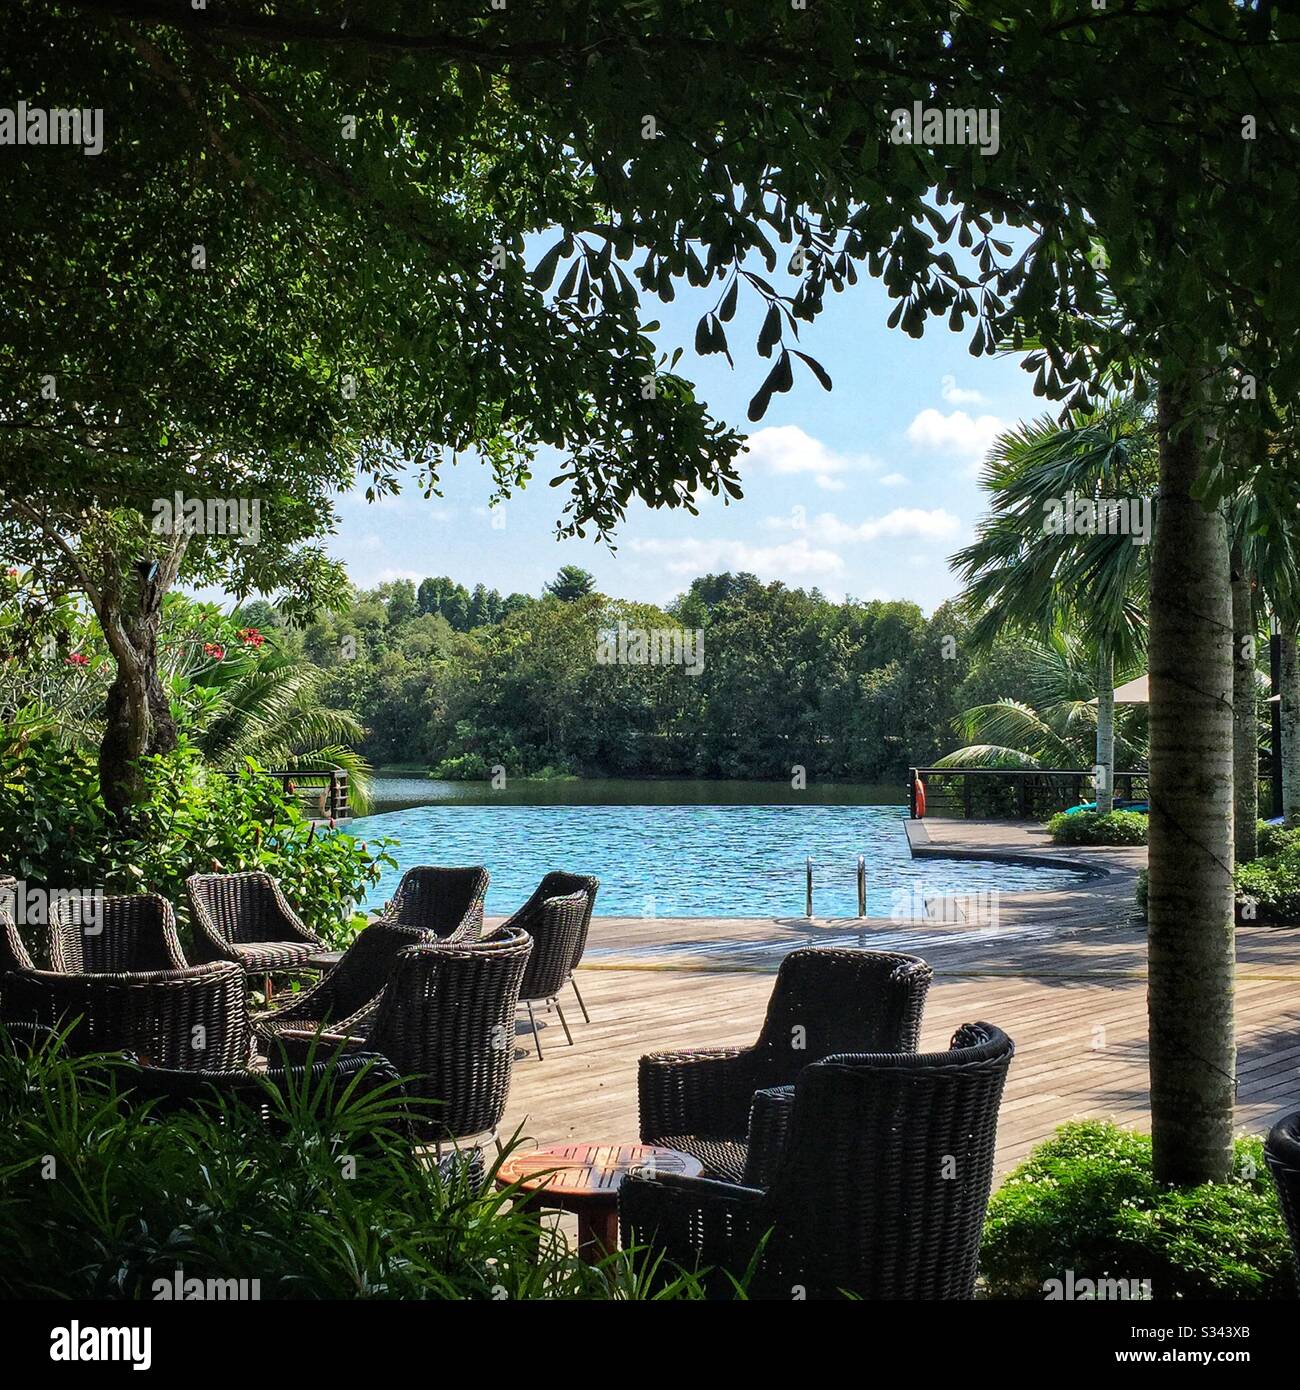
1190 896
1245 718
1105 755
138 717
1290 708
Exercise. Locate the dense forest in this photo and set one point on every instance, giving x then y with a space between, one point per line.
460 680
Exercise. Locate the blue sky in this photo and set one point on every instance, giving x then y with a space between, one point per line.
863 490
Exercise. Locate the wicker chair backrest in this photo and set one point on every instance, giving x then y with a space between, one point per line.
134 932
829 1000
447 1024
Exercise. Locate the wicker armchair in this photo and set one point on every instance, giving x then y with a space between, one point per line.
1282 1154
446 902
826 1000
345 1000
192 1018
555 925
446 1021
246 919
134 933
871 1177
560 885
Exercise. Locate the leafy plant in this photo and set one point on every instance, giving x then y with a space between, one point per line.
103 1197
55 830
1092 828
1086 1202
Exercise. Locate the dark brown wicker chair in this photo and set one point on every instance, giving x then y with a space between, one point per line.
555 925
869 1176
826 1000
446 1021
345 1000
192 1018
446 902
1282 1153
133 933
246 919
560 885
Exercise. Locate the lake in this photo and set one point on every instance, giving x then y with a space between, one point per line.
680 848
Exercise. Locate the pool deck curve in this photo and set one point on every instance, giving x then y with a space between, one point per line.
1062 970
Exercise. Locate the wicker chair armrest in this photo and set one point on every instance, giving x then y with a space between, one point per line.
692 1224
299 927
769 1122
209 943
304 1044
706 1091
305 1004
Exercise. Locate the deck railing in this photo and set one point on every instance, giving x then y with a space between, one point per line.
322 792
992 793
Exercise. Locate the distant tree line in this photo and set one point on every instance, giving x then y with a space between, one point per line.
461 680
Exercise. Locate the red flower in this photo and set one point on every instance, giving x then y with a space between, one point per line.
251 637
78 659
13 574
215 650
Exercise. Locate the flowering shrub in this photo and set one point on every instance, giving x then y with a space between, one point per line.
54 830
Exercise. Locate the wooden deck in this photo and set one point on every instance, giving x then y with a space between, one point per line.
1063 972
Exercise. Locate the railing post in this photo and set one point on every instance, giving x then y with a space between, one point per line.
1022 795
862 885
808 886
965 795
912 776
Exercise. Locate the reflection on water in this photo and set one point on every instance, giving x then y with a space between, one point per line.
727 856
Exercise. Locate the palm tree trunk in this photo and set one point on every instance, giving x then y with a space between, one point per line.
1290 707
1245 718
1190 896
1105 730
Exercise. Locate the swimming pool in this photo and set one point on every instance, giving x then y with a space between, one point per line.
693 860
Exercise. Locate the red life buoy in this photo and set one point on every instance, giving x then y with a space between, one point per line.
918 793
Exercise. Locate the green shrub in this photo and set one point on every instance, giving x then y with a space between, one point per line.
55 831
1086 1202
1272 886
102 1198
467 767
1274 839
1140 892
1090 828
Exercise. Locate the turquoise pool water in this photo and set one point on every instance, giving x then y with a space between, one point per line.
695 860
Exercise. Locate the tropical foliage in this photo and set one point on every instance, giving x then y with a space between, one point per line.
1085 1206
322 1199
56 831
1055 724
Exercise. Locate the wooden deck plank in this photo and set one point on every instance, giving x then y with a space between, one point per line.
1063 973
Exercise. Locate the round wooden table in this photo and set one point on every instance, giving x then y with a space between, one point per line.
585 1178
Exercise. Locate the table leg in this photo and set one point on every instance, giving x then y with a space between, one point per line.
597 1234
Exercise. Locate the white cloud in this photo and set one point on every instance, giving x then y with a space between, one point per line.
956 434
933 525
955 395
828 529
386 576
794 559
787 449
894 480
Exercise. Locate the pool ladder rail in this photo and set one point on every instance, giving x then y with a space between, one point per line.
862 886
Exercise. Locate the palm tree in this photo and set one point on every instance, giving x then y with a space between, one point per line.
1056 727
1023 575
266 706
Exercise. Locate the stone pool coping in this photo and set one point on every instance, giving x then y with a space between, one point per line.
922 847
